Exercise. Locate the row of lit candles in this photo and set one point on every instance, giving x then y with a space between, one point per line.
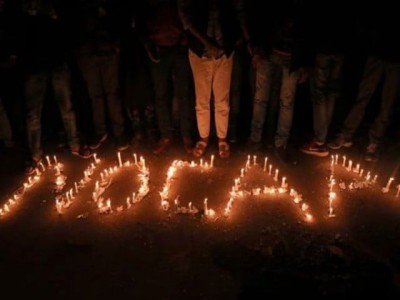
237 192
164 194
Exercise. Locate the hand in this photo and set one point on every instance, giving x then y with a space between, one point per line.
213 51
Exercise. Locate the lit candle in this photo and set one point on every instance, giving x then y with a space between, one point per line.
344 161
386 189
361 172
212 161
237 181
201 162
336 159
332 160
143 163
135 156
37 172
265 163
109 203
102 176
55 159
128 202
190 206
241 172
248 159
350 165
96 186
276 175
368 177
270 170
42 166
205 206
48 161
95 157
357 170
254 160
309 217
283 185
375 178
119 159
398 191
76 188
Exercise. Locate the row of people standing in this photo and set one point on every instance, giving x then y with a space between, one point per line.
194 42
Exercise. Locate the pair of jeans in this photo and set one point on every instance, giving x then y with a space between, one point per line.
35 92
173 66
271 73
101 76
376 69
326 89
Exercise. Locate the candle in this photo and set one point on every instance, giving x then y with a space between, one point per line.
248 159
344 161
42 166
55 159
368 177
361 172
205 206
276 175
212 161
265 163
357 170
254 160
270 169
332 160
375 178
386 189
76 188
119 159
398 191
135 156
350 165
48 161
201 162
96 186
283 185
336 159
190 206
241 172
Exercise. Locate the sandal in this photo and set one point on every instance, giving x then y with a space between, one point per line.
199 149
82 151
224 149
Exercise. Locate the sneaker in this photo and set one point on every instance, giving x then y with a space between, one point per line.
371 154
340 142
121 143
315 148
162 146
32 165
82 151
97 141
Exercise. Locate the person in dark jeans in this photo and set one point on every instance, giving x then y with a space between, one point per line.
99 62
331 39
382 66
45 61
165 45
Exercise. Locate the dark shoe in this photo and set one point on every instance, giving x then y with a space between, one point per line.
121 143
187 144
371 154
82 151
284 156
314 148
97 141
253 146
162 146
340 142
32 165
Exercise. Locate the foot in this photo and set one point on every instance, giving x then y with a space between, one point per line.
223 149
253 146
82 151
32 165
121 143
315 148
200 148
162 145
371 154
97 141
339 142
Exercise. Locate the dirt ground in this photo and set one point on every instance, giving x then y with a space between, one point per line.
264 248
